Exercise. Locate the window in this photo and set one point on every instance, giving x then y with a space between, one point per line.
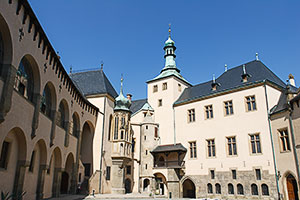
116 128
209 188
147 127
146 166
233 172
123 122
193 150
209 112
164 86
251 104
258 174
46 102
228 107
240 189
159 102
255 144
231 142
284 140
211 148
230 189
122 135
212 174
191 115
61 116
155 88
31 165
179 87
109 127
254 189
128 169
4 155
155 132
107 173
145 137
265 190
218 188
146 152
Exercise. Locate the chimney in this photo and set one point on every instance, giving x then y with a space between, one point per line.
129 96
292 80
245 75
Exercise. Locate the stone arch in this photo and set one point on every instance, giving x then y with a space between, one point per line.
75 125
86 148
6 50
146 184
15 161
27 81
48 101
37 169
63 114
188 189
291 186
67 174
161 185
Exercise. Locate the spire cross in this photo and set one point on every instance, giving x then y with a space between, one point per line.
169 30
121 90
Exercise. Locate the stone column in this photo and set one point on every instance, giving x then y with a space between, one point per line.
56 182
173 183
73 186
35 120
8 74
19 178
117 177
41 181
53 127
67 125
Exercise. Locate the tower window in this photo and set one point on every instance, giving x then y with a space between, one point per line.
155 88
116 128
156 132
159 102
257 174
233 172
179 87
165 86
128 169
212 174
108 173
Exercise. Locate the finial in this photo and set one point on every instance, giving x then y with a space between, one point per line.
256 56
169 30
244 69
214 78
102 63
121 89
71 69
226 68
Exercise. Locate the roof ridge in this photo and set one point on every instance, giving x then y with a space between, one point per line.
85 72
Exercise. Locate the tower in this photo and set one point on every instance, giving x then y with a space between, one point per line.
164 90
121 145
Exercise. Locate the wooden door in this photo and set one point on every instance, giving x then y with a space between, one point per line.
292 188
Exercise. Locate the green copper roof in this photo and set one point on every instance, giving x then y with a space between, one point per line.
121 102
169 42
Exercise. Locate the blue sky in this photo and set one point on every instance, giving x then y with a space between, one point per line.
128 36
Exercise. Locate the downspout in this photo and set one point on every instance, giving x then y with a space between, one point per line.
100 178
294 141
174 125
140 157
272 143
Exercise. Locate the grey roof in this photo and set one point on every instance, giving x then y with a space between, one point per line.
168 148
93 82
137 105
232 79
281 105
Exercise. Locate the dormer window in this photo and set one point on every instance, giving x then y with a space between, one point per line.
245 75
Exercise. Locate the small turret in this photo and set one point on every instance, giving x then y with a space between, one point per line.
122 103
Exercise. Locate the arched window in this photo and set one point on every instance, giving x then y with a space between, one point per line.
75 124
218 188
109 127
265 190
122 134
209 188
46 102
123 122
61 118
254 189
116 128
230 189
240 189
24 80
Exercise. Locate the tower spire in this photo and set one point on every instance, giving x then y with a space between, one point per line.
121 89
169 30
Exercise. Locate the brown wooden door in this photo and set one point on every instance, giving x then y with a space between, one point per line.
292 188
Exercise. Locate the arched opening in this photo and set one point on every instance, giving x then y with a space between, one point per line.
5 45
189 189
218 188
67 174
27 81
160 184
209 188
254 189
86 149
265 190
75 125
230 189
127 185
63 114
292 188
240 189
52 175
48 101
146 184
13 150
